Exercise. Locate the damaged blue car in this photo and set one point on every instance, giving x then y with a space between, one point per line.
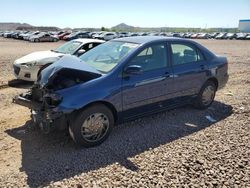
122 80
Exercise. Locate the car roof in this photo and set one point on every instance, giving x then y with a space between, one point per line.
86 40
149 39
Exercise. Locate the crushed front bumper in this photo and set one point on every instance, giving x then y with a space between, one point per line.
46 118
25 100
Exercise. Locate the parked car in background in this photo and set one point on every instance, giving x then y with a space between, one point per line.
56 34
241 36
144 34
43 37
30 34
113 83
230 36
176 35
203 36
221 36
187 35
91 34
61 36
107 36
154 34
97 34
29 67
76 35
213 35
162 34
247 37
8 34
194 35
123 34
23 34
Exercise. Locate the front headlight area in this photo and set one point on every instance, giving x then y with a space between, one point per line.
52 99
29 64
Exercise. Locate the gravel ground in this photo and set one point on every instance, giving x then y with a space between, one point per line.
178 148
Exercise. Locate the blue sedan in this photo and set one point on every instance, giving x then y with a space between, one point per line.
122 80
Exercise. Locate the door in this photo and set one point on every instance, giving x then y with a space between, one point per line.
189 68
144 92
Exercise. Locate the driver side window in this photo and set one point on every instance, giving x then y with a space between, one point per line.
151 58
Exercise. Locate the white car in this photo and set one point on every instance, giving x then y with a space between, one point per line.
107 36
29 67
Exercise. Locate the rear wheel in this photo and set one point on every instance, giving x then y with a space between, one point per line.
92 125
37 40
206 95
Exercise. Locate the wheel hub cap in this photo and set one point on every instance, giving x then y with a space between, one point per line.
208 95
95 127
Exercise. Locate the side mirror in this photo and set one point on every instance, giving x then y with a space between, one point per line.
80 52
133 70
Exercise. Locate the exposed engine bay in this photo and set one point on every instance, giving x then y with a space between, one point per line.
42 98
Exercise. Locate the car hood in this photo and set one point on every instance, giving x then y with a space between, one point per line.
69 62
39 56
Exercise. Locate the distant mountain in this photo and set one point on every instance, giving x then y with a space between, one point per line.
128 28
123 27
12 26
38 28
24 26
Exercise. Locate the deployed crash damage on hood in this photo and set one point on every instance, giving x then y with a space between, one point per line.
43 98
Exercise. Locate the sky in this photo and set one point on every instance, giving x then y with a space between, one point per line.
141 13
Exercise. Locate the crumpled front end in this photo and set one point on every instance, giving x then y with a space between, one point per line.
44 111
44 99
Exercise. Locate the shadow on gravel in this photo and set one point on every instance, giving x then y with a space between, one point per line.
49 158
20 84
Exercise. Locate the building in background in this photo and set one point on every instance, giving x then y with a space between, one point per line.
244 26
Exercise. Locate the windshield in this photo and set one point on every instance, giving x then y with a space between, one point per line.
68 47
106 56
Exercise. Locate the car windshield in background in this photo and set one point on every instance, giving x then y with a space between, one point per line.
69 47
106 56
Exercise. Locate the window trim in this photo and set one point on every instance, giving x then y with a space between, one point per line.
193 46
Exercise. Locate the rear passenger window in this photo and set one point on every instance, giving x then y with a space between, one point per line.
182 54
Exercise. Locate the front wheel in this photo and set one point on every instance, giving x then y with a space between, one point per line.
92 125
206 95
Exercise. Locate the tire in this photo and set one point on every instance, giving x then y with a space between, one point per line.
206 95
80 129
36 40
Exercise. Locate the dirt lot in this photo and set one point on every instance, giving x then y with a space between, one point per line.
178 148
